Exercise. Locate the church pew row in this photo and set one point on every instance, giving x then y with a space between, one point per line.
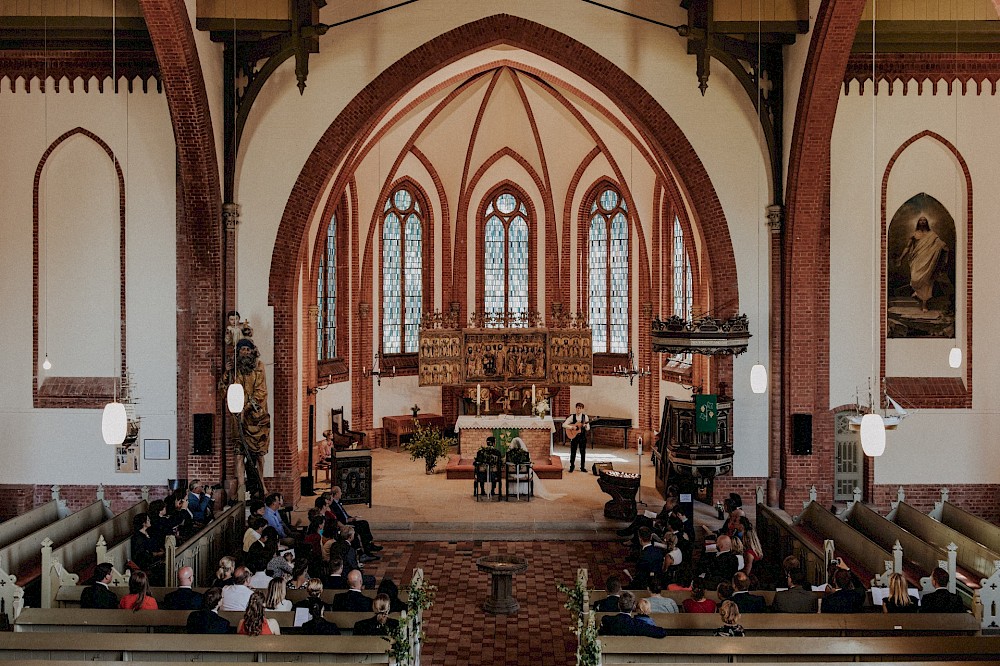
204 549
780 539
32 521
78 647
971 555
809 649
23 558
679 596
919 557
64 620
971 526
855 547
76 558
69 596
815 624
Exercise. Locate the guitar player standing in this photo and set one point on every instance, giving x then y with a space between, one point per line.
576 427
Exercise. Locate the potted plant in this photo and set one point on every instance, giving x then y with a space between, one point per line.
430 444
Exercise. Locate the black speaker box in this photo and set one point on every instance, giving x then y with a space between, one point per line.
204 425
802 434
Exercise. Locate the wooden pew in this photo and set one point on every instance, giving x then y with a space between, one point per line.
974 527
780 539
815 624
65 564
919 557
158 621
68 596
23 646
32 521
680 595
204 549
23 558
971 555
808 649
862 554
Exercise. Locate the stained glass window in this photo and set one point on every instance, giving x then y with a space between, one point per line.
326 297
402 272
608 272
506 257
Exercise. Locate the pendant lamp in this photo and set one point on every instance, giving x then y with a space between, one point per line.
114 423
47 364
955 357
235 397
758 379
873 434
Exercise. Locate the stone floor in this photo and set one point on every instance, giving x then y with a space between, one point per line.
459 632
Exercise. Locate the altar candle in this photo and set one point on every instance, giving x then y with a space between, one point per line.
477 395
532 395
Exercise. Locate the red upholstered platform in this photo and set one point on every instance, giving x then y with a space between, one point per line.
546 468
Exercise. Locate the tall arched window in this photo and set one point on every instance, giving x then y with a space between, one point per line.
326 297
608 272
683 293
402 272
505 243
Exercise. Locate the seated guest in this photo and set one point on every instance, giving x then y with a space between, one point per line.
623 624
797 598
698 603
487 466
183 598
720 566
730 614
179 513
274 599
314 536
300 575
341 547
354 600
236 596
272 504
746 602
845 598
224 574
360 526
207 620
199 502
281 564
161 525
138 597
733 507
899 599
650 562
658 603
314 590
642 611
317 625
262 550
642 520
753 551
254 526
941 600
379 624
725 591
609 604
142 552
391 590
336 580
98 595
254 623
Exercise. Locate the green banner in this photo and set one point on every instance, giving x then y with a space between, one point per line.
503 437
706 410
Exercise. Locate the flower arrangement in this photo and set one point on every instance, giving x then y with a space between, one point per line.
588 649
542 408
517 455
430 444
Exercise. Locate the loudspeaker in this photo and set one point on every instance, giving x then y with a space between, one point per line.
802 434
204 425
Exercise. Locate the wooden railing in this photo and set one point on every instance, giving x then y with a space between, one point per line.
204 549
779 538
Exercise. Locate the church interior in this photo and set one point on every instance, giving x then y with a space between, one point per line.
714 248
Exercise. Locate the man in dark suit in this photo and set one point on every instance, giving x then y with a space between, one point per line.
623 624
183 598
846 597
98 595
207 620
354 600
746 602
609 604
941 600
797 598
262 550
720 567
336 580
650 561
318 625
360 526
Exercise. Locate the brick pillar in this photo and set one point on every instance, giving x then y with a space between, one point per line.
775 468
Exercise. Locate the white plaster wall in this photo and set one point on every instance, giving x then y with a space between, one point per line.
284 127
65 444
931 446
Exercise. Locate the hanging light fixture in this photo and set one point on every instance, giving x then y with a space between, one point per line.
872 424
758 373
46 364
235 397
235 394
955 357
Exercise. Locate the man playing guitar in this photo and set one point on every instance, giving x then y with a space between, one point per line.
576 427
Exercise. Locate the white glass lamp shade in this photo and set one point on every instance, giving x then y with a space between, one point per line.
114 423
758 379
873 435
235 397
955 357
47 364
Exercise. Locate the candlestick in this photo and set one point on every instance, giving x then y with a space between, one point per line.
532 396
478 394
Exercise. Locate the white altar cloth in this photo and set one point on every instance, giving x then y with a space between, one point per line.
505 421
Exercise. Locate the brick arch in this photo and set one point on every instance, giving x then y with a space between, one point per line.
360 115
199 227
803 383
36 188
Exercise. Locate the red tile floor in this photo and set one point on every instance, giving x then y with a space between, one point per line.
459 632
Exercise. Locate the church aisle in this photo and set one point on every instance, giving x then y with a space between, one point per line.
459 632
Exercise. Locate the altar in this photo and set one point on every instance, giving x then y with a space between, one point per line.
536 433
